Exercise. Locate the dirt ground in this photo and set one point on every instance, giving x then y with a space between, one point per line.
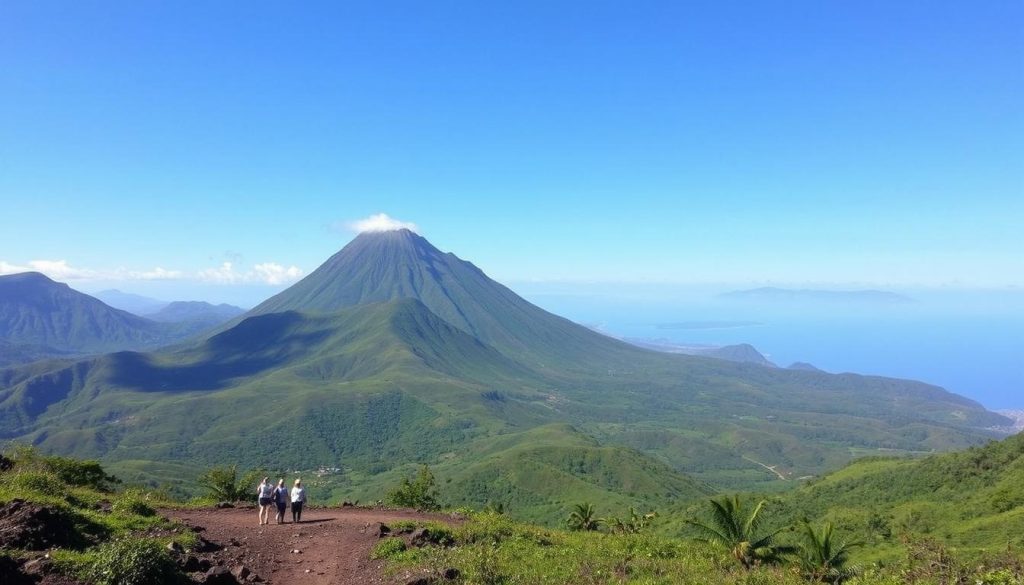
333 544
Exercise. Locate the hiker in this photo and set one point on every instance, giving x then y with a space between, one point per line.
298 499
281 500
265 491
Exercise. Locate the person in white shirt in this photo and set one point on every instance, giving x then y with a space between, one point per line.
298 499
265 492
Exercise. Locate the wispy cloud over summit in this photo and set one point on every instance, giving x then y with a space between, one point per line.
380 222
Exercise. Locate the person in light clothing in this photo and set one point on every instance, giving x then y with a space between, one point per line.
265 492
298 499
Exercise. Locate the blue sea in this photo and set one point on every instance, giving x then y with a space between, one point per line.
969 342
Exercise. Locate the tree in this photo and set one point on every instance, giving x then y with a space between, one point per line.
822 558
418 492
732 528
582 518
223 485
634 524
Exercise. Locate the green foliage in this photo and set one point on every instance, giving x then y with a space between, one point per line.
633 524
222 484
417 492
72 472
388 548
133 561
583 517
971 500
822 558
133 502
731 527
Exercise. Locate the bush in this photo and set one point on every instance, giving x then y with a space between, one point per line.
388 548
133 503
222 483
133 561
29 483
418 492
70 471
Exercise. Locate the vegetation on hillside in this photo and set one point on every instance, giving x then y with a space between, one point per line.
91 530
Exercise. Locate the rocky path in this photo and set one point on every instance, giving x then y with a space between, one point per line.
331 546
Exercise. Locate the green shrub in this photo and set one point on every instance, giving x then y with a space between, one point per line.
133 561
388 548
223 485
73 472
417 492
26 483
133 503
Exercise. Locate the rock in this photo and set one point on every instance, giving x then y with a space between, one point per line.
189 563
223 505
6 464
240 572
383 530
11 574
33 527
425 536
205 546
38 566
347 504
174 548
451 573
219 575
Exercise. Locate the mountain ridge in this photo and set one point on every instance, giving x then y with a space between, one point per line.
355 364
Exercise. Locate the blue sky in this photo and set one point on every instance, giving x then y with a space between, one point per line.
837 143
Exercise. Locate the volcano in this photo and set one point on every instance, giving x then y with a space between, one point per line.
394 353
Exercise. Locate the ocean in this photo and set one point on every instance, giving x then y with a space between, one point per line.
969 342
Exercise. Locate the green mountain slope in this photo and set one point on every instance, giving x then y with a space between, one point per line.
200 313
394 353
971 499
383 266
40 318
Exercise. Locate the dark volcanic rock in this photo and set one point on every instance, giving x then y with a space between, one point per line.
33 527
10 573
219 575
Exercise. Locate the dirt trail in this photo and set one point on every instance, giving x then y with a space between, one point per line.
334 543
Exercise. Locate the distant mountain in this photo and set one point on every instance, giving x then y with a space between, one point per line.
200 313
394 353
775 295
44 316
133 303
804 366
740 353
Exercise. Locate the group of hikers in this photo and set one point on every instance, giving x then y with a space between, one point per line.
280 496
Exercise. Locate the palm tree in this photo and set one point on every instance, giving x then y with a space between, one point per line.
822 559
731 528
582 518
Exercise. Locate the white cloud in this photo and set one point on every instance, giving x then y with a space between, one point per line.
157 273
8 268
55 269
272 273
265 273
380 222
223 274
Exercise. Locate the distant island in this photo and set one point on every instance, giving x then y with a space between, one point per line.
774 294
699 325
